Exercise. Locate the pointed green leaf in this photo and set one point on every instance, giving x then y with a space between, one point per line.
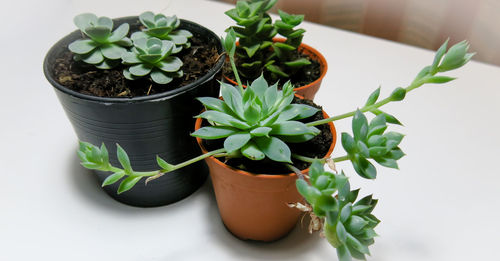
274 149
214 132
123 159
359 126
163 164
111 179
128 184
251 151
260 131
236 141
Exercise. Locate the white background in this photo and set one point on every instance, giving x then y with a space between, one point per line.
442 205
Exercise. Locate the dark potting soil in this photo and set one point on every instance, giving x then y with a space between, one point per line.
86 79
316 147
302 77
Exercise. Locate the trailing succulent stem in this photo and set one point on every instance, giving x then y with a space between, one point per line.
348 224
104 47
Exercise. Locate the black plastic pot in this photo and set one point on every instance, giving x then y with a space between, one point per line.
145 126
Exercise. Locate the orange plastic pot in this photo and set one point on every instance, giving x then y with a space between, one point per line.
307 91
254 206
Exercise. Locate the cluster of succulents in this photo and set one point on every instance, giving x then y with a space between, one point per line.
149 53
259 121
348 224
255 31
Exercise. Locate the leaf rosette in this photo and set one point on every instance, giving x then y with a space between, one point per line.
164 28
152 56
104 47
258 121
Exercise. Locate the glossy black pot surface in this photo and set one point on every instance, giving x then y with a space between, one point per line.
145 126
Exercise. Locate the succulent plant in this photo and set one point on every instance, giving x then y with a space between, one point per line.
152 56
163 28
282 63
348 224
257 121
104 47
255 33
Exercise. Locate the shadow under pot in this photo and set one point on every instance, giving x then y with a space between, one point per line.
254 206
145 126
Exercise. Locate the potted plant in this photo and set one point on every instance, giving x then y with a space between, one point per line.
259 51
263 127
129 80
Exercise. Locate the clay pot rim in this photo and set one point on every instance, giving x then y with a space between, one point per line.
321 60
270 176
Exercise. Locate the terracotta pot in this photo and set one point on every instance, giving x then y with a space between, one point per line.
254 206
310 90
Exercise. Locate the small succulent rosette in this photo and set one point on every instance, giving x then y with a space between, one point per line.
153 57
164 28
104 47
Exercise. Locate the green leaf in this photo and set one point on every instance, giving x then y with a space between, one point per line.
163 164
353 242
111 179
147 19
251 50
276 70
341 232
373 97
223 119
259 86
363 149
99 33
112 51
82 46
326 203
389 163
128 183
455 57
439 55
343 253
261 131
282 25
378 151
389 118
395 154
359 126
274 148
160 77
130 58
296 112
251 151
379 120
302 187
355 224
236 141
119 33
104 154
140 69
424 72
394 136
214 132
215 104
85 20
398 94
233 99
170 64
271 96
292 128
345 213
94 57
440 79
252 113
348 143
105 22
123 159
298 63
376 131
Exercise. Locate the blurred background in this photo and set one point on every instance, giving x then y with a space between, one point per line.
423 23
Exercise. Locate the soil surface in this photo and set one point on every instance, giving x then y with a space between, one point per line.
86 79
316 147
302 77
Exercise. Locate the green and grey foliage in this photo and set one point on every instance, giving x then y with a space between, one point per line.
370 141
104 47
257 121
255 31
164 28
348 224
153 57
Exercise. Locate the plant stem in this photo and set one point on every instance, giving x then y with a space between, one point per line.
235 72
412 86
311 160
217 153
339 159
296 170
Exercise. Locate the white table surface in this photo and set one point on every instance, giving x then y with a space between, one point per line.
444 203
